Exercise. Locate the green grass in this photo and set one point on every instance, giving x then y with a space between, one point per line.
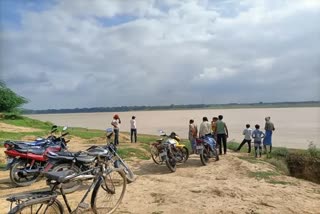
28 122
234 145
147 139
18 135
86 133
271 181
251 159
128 153
263 174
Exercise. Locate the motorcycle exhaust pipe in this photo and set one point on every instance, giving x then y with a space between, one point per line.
25 172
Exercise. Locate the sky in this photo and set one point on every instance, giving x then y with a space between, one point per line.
97 53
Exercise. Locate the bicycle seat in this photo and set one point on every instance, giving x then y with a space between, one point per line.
58 176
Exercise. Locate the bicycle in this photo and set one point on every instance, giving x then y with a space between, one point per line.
108 183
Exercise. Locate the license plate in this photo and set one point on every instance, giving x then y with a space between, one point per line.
199 147
9 160
162 154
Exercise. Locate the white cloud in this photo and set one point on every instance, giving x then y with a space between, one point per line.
169 49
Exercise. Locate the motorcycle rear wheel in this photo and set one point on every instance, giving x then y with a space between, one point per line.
16 174
71 186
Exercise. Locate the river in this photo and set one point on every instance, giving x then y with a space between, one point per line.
295 127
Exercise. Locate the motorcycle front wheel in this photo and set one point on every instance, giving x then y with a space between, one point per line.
185 154
204 156
20 177
128 172
171 164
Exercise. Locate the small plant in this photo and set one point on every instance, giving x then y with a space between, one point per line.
263 174
280 152
313 150
232 145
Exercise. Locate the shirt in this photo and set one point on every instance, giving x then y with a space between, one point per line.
247 133
269 126
257 135
220 127
205 128
193 131
133 124
115 123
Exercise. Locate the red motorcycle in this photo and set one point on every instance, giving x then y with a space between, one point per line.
27 161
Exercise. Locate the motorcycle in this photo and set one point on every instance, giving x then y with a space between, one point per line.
26 161
206 148
38 142
168 150
84 160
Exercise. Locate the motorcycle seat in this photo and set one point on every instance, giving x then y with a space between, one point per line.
58 176
85 158
37 151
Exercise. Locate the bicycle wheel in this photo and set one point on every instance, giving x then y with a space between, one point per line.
108 192
42 207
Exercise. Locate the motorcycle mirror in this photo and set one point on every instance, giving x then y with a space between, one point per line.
162 132
109 130
54 127
53 131
64 134
65 128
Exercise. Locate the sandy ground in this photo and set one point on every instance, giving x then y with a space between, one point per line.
220 187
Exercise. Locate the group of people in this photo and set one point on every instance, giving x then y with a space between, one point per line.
259 137
116 121
219 130
216 128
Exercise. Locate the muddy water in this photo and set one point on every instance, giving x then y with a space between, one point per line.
295 127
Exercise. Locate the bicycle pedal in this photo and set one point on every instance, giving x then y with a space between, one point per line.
84 205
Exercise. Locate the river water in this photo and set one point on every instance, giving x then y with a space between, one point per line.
295 127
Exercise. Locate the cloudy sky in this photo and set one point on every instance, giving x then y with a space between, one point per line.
95 53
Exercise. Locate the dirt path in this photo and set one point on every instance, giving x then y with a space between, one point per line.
221 187
12 128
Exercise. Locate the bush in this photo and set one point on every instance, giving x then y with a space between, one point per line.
12 116
313 150
280 152
304 166
232 145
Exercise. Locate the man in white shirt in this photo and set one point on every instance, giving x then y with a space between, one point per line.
133 125
247 138
205 127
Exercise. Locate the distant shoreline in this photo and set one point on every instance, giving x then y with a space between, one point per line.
309 104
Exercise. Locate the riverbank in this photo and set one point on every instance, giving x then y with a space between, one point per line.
238 183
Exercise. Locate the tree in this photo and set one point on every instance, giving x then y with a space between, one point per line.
9 100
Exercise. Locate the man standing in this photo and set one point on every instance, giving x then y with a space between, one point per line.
222 134
133 125
193 132
116 125
205 127
269 128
